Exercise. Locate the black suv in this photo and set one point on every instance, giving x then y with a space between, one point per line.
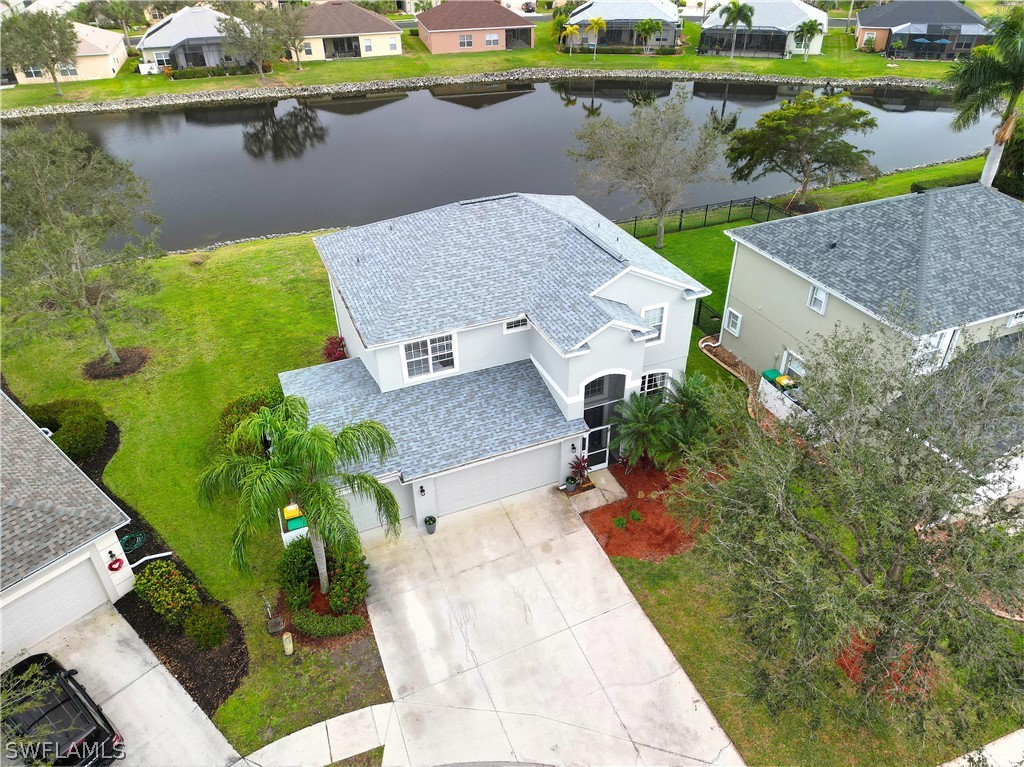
61 724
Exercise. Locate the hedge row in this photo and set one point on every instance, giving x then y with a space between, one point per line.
956 179
79 426
315 625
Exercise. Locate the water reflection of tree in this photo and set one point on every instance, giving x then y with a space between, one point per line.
286 137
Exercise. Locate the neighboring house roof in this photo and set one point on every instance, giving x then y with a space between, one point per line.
785 15
52 6
942 258
480 261
93 41
49 507
470 14
626 10
339 18
499 410
190 23
902 12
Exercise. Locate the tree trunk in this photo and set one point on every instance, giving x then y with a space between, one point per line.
661 231
320 555
101 328
803 190
992 160
849 16
127 37
595 46
732 53
807 50
56 82
298 61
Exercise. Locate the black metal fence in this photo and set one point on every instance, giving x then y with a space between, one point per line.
746 209
706 319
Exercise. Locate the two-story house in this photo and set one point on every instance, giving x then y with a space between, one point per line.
493 338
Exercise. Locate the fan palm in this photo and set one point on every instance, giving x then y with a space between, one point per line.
596 25
274 457
687 398
643 429
987 77
570 32
733 14
646 30
806 32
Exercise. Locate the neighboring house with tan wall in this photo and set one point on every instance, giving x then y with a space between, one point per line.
945 266
339 29
100 55
471 26
921 29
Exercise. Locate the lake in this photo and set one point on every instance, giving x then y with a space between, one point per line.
223 173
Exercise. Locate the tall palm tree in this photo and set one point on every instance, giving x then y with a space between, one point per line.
990 74
274 458
733 14
570 32
646 30
806 32
597 25
123 12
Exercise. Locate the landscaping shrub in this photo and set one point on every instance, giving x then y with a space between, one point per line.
335 349
956 179
79 426
207 625
240 407
635 516
315 625
162 586
348 583
294 569
414 32
619 522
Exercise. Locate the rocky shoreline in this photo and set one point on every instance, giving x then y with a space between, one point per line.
258 95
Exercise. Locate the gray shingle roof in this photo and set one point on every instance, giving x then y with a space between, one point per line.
901 12
785 15
481 261
943 258
340 18
49 507
440 424
190 23
470 14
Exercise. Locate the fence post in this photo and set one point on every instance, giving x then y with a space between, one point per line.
680 219
729 217
706 215
753 204
634 225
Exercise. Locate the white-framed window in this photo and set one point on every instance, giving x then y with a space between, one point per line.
368 45
491 40
520 323
793 366
393 43
67 70
307 48
817 299
932 348
155 14
163 58
733 320
1017 318
32 71
594 389
651 382
465 41
869 40
654 316
429 356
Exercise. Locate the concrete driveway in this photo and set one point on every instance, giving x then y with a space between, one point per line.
160 723
509 636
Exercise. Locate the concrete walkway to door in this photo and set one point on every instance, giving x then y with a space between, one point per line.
509 636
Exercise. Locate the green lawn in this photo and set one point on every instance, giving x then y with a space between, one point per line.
224 327
840 60
688 607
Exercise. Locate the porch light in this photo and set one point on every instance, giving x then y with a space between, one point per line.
573 447
423 490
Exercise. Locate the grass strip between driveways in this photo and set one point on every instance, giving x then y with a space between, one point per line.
839 60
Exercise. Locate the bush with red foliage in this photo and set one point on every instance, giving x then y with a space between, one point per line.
334 349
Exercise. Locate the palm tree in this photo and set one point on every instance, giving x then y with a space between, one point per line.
274 458
596 25
570 31
646 30
989 75
806 33
643 429
733 14
122 12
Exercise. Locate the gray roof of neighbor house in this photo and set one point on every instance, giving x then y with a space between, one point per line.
440 424
340 18
785 15
901 12
481 261
940 259
93 41
470 14
626 10
194 22
49 507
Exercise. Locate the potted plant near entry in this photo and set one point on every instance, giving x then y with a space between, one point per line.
570 484
579 471
431 523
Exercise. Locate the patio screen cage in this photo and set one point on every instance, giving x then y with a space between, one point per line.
759 41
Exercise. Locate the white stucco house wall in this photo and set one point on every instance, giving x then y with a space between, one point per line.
59 537
774 31
493 338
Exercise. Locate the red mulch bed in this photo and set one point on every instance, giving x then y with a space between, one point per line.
656 536
319 604
900 683
132 361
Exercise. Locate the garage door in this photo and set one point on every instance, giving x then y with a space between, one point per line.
506 476
51 606
364 512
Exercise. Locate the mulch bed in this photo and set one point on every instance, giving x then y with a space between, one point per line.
656 536
132 361
319 605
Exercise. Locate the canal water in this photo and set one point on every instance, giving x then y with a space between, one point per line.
222 173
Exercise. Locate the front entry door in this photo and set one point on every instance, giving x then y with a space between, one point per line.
597 442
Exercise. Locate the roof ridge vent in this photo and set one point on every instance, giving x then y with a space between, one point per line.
596 239
478 200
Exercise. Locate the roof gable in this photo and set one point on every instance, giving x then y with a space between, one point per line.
626 10
190 23
340 18
93 41
785 15
470 14
901 12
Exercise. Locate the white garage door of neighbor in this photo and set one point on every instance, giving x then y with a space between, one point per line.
497 479
51 606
